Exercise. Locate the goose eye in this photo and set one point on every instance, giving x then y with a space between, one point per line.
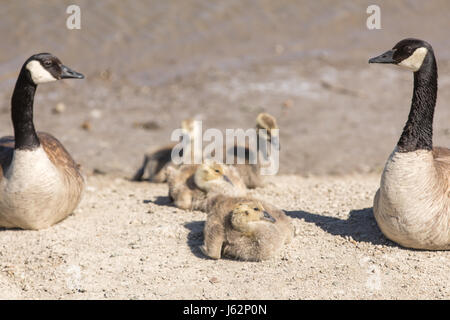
47 63
408 49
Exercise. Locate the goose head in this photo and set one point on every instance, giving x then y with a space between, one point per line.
409 53
267 127
210 174
245 213
45 67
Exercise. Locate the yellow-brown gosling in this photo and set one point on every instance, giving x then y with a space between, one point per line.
245 229
157 160
190 184
250 173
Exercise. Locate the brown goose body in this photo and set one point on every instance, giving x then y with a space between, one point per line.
37 200
412 205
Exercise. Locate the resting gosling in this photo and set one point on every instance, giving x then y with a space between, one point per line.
189 185
40 183
411 206
266 129
156 161
244 229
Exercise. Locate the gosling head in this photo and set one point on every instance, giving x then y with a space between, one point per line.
409 53
45 67
266 126
211 174
246 213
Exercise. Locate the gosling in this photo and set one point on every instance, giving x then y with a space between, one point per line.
244 229
266 130
157 161
190 184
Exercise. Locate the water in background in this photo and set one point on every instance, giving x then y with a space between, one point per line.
150 64
149 42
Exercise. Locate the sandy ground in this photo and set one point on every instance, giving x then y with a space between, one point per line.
125 241
150 64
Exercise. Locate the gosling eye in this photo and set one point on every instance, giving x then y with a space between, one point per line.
217 171
256 209
247 213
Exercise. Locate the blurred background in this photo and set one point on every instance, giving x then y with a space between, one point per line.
150 64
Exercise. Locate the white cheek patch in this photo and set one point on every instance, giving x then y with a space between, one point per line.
414 62
38 73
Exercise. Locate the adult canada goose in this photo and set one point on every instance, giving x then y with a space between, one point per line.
244 228
191 184
411 206
156 161
40 184
266 130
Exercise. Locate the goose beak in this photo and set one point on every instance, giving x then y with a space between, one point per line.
267 216
67 73
387 57
227 180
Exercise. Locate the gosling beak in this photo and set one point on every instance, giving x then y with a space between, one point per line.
387 57
67 73
227 180
267 216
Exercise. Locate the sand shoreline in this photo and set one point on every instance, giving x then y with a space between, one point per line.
125 241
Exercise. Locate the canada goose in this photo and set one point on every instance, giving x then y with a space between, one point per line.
266 129
244 228
189 185
411 206
40 184
157 160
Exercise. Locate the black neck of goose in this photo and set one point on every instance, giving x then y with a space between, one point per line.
22 113
418 131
